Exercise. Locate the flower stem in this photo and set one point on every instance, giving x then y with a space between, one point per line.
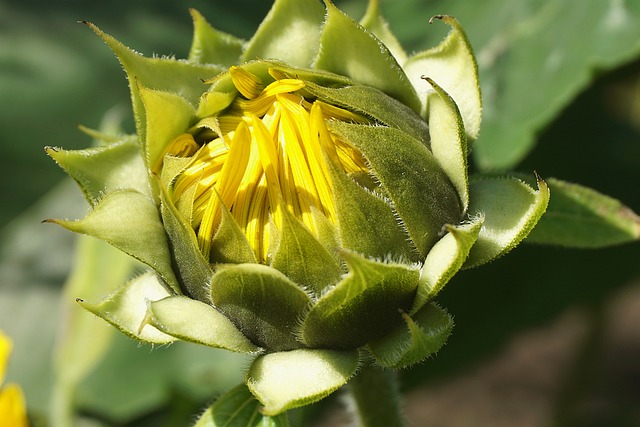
377 398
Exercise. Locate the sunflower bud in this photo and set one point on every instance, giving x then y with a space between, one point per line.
302 196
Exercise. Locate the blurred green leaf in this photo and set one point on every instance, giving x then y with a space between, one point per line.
534 57
82 342
580 217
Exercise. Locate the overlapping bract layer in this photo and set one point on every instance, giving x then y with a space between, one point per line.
304 195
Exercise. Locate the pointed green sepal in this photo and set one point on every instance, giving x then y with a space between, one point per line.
421 192
445 259
374 22
210 46
423 335
346 48
126 308
511 209
101 170
453 66
239 408
580 217
194 271
373 103
289 33
167 115
262 302
280 70
230 245
125 213
191 320
287 380
448 139
367 224
212 103
363 306
302 258
163 74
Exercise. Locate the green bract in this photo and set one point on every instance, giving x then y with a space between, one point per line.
302 196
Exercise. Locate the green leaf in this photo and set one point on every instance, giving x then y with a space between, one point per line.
286 380
423 335
302 258
193 270
448 140
101 170
421 192
453 67
262 302
367 224
373 103
511 209
162 74
363 58
126 308
363 306
534 58
195 321
239 408
374 22
167 115
125 213
289 33
445 259
210 46
580 217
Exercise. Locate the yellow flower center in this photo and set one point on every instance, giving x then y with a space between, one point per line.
269 151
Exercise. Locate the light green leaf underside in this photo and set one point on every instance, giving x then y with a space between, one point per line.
580 217
421 192
126 308
191 320
262 302
423 335
289 33
167 115
302 258
192 268
445 259
373 103
101 170
363 58
363 306
239 408
286 380
210 46
367 224
453 67
448 140
125 213
162 74
511 209
374 22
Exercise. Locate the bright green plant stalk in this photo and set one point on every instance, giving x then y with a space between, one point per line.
377 398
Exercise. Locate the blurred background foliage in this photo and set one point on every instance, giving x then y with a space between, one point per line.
560 76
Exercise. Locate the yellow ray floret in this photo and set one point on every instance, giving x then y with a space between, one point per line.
12 405
269 153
